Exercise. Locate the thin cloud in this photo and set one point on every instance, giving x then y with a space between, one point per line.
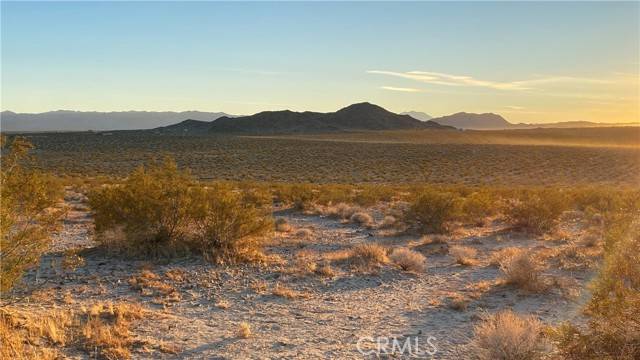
514 107
437 78
401 89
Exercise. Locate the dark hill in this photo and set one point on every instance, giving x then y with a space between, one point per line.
356 117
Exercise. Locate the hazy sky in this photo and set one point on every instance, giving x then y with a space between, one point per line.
530 62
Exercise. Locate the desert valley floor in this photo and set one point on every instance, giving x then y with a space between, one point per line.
193 309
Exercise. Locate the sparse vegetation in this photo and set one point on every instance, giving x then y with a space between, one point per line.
152 207
408 260
464 255
431 211
26 214
538 211
523 271
507 336
367 256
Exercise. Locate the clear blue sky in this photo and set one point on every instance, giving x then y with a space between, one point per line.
534 62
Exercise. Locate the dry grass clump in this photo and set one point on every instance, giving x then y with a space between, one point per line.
341 211
367 256
591 239
286 292
507 336
523 271
464 255
108 328
388 222
305 262
457 302
151 285
282 225
303 233
408 260
244 330
434 239
222 304
326 270
103 329
501 255
362 218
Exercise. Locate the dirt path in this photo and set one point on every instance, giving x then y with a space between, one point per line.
335 318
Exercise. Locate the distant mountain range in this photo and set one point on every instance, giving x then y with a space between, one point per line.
65 120
362 116
356 117
490 121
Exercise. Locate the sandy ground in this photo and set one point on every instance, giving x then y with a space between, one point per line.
335 317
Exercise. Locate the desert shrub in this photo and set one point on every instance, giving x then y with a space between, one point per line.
341 211
477 206
523 271
500 256
388 222
244 330
255 194
613 330
408 260
362 218
431 211
605 200
282 225
151 206
537 210
303 233
334 194
367 256
26 217
227 228
301 196
507 336
464 255
372 194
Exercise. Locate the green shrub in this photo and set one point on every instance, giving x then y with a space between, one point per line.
26 217
537 211
372 194
431 211
151 206
227 227
301 196
478 205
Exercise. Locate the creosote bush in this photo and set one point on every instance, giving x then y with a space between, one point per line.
161 210
537 211
431 210
227 227
152 206
26 214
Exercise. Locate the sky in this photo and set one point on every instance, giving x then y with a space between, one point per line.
530 62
